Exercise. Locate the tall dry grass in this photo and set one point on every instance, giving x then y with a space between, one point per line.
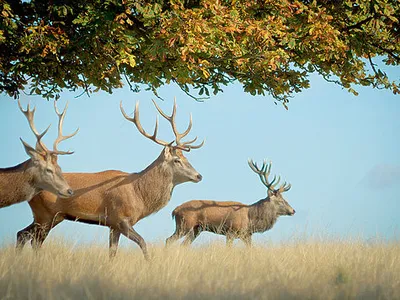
298 270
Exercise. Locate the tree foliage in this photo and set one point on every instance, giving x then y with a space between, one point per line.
268 46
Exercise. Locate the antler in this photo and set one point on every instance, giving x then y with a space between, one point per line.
29 114
178 136
135 120
186 146
60 136
264 172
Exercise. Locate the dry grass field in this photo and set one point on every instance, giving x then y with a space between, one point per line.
298 270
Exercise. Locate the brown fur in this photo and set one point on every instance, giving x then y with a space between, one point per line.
40 172
15 185
111 198
21 182
232 219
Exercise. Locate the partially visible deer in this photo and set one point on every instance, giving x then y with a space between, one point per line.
41 172
232 219
114 198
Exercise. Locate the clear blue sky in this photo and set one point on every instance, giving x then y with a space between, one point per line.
339 152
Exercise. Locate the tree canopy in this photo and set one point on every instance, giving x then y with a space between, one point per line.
268 46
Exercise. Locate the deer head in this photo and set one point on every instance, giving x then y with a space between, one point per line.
45 172
172 158
274 194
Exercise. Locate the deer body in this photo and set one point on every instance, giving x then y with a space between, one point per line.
16 184
232 219
40 172
113 198
107 198
215 216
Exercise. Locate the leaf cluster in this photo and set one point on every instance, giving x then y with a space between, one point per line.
268 46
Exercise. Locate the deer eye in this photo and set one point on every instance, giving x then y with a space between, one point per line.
50 171
177 161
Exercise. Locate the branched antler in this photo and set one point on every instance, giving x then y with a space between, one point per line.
264 172
61 137
29 114
185 146
40 146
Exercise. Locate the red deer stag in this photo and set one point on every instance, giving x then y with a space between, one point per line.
41 172
232 219
117 199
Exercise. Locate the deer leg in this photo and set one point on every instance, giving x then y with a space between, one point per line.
41 232
191 236
176 236
114 239
24 235
229 240
131 234
246 239
173 238
39 235
180 231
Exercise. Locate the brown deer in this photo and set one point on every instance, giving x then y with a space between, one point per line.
114 198
232 219
41 172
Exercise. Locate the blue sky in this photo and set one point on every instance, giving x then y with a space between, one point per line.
339 152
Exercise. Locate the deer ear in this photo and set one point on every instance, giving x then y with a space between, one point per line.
270 193
35 155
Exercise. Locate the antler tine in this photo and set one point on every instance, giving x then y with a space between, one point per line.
263 173
155 128
253 166
273 183
171 120
287 188
269 168
189 142
197 146
284 187
135 120
270 184
260 173
266 172
179 136
60 136
187 147
186 132
29 114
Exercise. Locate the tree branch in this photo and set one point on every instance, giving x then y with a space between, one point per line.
359 24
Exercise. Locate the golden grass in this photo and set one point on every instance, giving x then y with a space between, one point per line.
299 270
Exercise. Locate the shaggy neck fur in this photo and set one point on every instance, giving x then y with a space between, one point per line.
154 186
16 184
262 215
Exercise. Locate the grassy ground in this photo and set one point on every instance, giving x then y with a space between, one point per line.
299 270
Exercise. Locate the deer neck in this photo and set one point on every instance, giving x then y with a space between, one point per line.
155 185
262 215
16 184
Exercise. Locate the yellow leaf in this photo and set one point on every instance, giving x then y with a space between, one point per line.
206 74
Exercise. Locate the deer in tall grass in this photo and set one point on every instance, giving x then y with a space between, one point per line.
232 219
40 172
117 199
